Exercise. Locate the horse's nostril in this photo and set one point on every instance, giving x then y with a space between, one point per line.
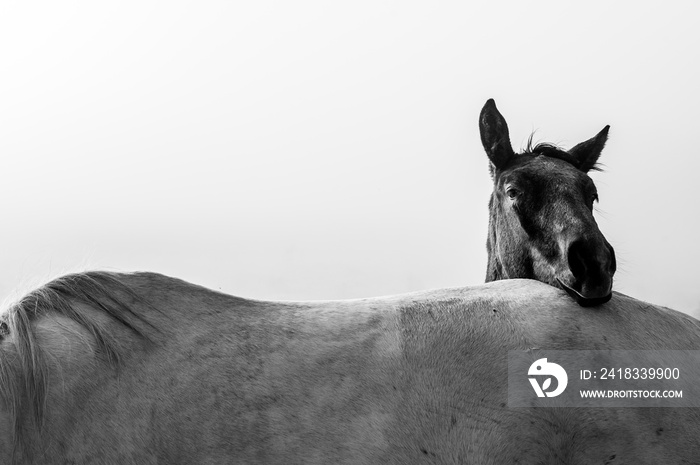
592 264
613 263
577 259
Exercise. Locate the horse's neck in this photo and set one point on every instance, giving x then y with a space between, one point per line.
494 268
494 271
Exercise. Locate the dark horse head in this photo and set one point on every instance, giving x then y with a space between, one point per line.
541 223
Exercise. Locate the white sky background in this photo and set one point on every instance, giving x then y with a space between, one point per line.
329 150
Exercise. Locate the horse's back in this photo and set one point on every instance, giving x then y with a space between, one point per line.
424 377
405 379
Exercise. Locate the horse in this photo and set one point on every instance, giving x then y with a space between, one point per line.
541 223
140 368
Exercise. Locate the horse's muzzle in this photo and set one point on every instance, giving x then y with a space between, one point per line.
592 265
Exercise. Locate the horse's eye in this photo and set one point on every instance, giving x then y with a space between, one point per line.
512 193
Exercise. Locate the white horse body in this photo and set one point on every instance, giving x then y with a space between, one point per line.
201 377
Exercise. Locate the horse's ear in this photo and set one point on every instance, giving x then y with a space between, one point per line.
587 153
494 136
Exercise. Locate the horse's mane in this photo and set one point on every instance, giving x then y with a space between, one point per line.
553 151
24 378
